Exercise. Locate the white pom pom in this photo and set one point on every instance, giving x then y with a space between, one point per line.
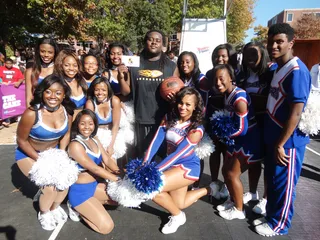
120 148
54 168
205 147
129 111
310 118
125 193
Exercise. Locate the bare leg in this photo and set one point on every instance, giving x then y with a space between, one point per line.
47 198
96 216
234 168
254 172
59 198
174 180
102 195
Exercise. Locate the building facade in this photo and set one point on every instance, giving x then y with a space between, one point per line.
292 16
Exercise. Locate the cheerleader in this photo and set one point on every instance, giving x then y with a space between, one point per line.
46 124
68 67
246 149
107 108
87 196
182 129
117 73
45 54
222 54
257 74
91 68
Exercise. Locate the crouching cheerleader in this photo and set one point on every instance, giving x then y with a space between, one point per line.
236 127
182 129
46 125
87 196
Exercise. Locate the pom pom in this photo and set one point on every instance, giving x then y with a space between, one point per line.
223 126
141 183
310 118
205 147
120 148
54 168
129 111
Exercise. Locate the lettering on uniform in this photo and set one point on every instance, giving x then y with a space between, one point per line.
274 91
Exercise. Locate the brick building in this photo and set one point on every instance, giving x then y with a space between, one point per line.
291 16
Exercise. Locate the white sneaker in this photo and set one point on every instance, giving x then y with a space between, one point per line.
174 223
215 190
59 215
224 193
249 196
259 221
73 214
260 208
265 230
226 205
47 221
232 213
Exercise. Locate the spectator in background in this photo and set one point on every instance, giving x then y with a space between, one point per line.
2 59
9 75
81 53
315 77
172 56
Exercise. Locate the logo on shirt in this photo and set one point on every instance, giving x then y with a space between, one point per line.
274 92
150 73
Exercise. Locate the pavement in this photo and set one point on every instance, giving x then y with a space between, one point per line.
18 215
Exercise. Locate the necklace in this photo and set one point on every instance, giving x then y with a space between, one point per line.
68 79
51 109
47 65
82 137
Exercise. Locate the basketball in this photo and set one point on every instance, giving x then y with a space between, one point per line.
170 85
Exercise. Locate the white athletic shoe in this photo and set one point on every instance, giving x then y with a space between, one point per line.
226 205
174 223
260 207
59 215
232 213
47 221
259 221
249 196
265 230
224 193
73 214
215 190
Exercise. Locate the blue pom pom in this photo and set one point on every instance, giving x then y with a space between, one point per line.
223 126
146 178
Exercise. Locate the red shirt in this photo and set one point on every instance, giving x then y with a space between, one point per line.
10 75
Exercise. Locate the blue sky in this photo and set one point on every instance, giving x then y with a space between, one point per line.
266 9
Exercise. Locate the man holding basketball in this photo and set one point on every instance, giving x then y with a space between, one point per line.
149 107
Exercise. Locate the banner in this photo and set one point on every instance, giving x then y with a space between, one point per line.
201 36
12 101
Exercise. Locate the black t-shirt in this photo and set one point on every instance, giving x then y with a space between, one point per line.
149 106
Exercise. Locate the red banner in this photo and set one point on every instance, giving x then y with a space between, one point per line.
12 101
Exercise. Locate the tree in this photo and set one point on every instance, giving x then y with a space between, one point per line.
239 20
261 33
308 26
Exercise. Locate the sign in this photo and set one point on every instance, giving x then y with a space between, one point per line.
131 61
201 36
12 101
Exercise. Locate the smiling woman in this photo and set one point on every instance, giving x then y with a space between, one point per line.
46 124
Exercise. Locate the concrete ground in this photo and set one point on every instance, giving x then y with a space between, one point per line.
18 215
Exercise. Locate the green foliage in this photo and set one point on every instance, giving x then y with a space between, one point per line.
261 33
114 20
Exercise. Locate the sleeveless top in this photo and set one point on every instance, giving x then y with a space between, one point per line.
42 132
95 157
114 84
79 101
102 120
